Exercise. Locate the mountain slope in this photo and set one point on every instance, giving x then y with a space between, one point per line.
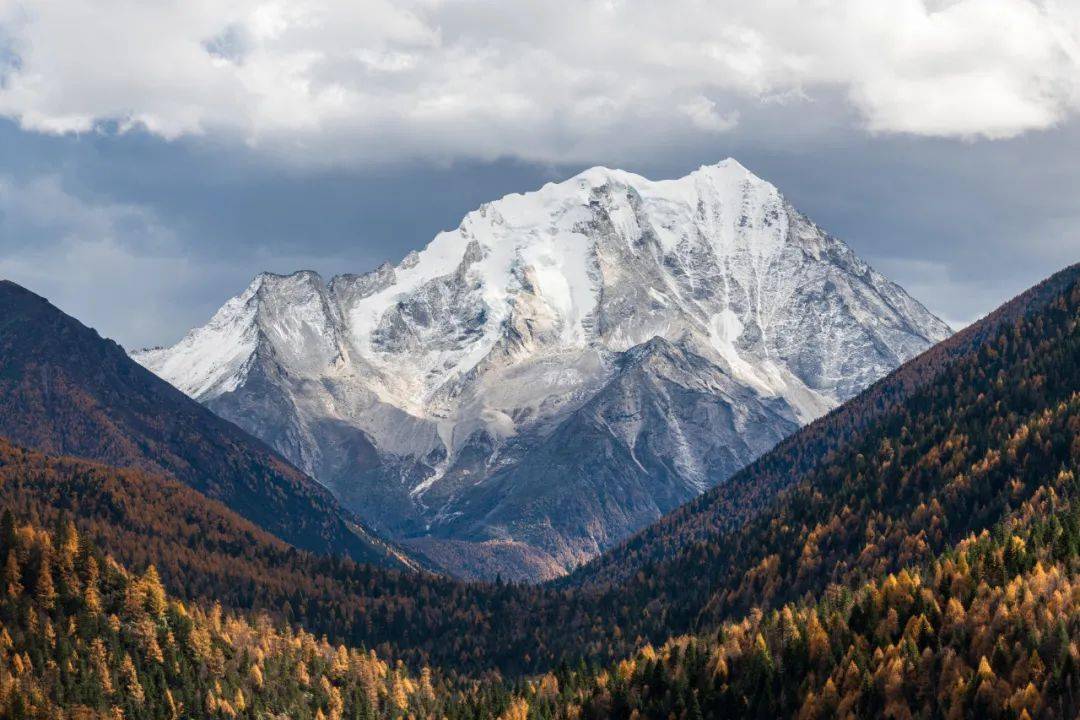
816 445
634 451
916 475
65 390
929 568
202 549
926 565
431 396
207 553
987 629
995 424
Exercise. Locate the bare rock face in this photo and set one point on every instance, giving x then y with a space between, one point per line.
562 368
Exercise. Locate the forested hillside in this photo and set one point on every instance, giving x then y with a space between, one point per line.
65 390
948 458
205 552
952 458
81 636
752 489
931 568
986 630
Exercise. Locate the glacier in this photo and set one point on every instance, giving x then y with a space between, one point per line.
559 370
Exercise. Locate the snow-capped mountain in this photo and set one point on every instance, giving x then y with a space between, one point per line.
560 369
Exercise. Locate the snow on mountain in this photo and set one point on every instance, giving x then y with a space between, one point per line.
684 325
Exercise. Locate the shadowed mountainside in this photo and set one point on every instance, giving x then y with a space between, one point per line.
65 390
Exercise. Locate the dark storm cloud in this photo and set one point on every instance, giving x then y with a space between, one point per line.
144 238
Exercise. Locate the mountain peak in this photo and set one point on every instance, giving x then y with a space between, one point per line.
11 292
403 386
729 168
728 163
600 175
728 171
299 277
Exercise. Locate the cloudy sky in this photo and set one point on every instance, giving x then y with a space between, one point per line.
156 154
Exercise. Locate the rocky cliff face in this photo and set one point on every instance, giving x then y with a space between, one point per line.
559 370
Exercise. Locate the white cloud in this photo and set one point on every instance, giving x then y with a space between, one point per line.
703 114
544 80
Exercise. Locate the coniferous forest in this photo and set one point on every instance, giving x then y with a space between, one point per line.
916 556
